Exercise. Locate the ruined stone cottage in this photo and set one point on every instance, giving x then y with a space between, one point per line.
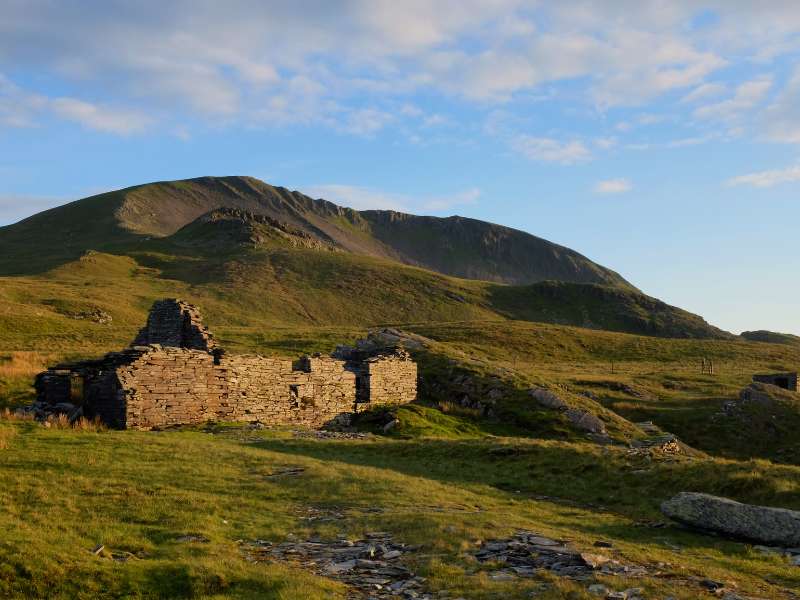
787 381
174 373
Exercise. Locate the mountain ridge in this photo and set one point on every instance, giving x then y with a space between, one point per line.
456 246
285 258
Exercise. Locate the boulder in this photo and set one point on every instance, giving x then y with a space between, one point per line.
585 421
547 399
773 526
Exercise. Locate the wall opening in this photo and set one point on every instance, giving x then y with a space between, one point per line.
362 389
294 396
782 382
76 389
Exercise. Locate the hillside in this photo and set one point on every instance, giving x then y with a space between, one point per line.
771 337
452 246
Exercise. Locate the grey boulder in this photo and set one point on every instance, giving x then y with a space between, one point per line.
772 526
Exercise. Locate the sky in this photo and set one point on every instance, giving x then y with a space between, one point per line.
660 138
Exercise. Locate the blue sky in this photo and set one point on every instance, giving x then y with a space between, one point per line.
661 139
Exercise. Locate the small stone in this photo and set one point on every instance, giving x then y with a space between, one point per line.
594 561
598 589
712 585
603 544
193 538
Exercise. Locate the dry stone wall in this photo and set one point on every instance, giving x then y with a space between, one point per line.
175 323
392 379
312 392
174 375
169 386
173 386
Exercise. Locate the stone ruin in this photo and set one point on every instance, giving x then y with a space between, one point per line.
175 374
787 381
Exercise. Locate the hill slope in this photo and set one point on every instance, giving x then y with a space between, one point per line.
453 246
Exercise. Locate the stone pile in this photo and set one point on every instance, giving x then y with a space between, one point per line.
526 552
372 567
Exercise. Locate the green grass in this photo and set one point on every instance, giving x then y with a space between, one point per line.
63 493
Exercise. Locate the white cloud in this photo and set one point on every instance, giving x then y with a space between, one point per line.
366 122
613 186
705 91
781 120
18 108
364 198
551 150
764 179
689 141
747 95
279 63
101 118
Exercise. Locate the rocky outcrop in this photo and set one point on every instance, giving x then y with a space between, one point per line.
578 418
773 526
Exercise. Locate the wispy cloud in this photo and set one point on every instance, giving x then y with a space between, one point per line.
765 179
781 120
747 95
364 198
544 149
613 186
101 118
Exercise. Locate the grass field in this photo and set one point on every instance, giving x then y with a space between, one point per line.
444 479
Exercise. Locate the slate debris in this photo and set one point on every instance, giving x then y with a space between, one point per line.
526 552
371 566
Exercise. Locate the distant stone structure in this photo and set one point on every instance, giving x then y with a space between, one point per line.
787 381
175 374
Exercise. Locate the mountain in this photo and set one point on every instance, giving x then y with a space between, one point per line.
452 246
262 255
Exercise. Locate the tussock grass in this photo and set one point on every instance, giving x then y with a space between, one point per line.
80 425
21 364
6 435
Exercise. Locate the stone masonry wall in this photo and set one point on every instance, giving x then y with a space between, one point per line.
311 392
173 374
177 324
392 380
171 386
